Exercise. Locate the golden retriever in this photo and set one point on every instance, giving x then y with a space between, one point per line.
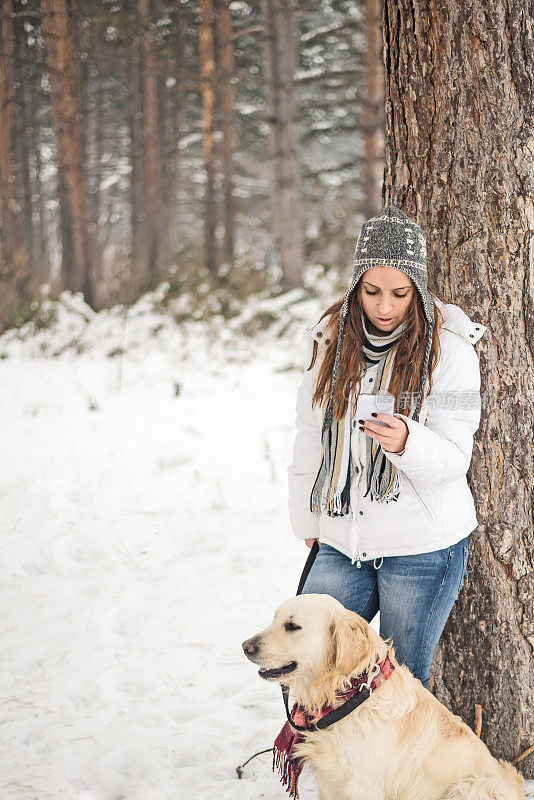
399 744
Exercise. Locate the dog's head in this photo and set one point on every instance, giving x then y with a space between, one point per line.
315 645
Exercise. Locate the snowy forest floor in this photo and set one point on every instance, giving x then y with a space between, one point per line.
145 535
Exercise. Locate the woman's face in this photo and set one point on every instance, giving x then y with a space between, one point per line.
386 294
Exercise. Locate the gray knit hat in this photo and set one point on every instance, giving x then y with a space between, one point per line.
393 240
390 239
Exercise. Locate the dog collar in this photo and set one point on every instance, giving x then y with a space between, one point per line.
360 690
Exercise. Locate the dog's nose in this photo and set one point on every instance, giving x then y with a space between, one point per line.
250 647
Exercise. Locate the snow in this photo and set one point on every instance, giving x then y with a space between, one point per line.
145 536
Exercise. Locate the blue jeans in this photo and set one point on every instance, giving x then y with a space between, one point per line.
414 595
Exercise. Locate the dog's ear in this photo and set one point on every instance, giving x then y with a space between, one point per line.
352 643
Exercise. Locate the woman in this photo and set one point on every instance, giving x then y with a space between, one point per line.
390 506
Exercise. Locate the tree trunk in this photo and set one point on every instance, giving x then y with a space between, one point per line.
60 62
22 148
373 136
152 160
174 211
81 79
207 76
138 256
459 151
41 266
279 37
226 52
13 275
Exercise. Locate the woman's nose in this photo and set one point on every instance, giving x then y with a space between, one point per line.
385 311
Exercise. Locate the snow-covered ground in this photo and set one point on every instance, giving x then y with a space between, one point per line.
145 535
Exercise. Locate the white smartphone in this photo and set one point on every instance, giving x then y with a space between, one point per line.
383 403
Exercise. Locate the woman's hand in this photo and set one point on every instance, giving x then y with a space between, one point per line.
392 439
310 542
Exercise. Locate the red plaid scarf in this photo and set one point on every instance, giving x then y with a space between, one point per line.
289 766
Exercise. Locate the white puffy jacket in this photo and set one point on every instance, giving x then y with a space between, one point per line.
436 507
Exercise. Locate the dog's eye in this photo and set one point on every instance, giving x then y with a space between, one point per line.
291 626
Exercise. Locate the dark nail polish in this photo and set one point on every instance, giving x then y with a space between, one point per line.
373 414
361 428
360 421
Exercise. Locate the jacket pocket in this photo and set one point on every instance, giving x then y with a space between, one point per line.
430 513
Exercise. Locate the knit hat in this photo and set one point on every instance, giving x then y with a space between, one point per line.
390 239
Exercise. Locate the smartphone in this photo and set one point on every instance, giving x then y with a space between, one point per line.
383 403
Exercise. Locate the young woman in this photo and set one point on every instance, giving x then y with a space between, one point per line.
389 504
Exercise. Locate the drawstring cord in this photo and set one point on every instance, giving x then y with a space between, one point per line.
381 562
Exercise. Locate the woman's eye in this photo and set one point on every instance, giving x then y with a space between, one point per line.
290 626
400 296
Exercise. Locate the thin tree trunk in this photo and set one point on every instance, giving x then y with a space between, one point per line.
207 76
22 151
226 59
167 117
279 37
459 150
152 158
373 137
94 137
60 60
180 90
11 244
81 79
173 215
138 254
41 266
13 275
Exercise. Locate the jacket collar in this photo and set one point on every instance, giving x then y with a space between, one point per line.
457 321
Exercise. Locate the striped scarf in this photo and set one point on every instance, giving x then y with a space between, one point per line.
331 489
375 347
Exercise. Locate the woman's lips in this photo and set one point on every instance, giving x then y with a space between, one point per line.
385 320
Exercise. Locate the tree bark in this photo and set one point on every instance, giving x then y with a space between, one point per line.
134 112
459 154
279 40
152 228
81 80
207 76
173 217
373 136
9 208
226 51
41 267
23 124
60 61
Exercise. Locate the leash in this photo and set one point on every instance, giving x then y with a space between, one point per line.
308 565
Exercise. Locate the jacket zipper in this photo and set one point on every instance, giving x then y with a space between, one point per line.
354 556
354 532
425 507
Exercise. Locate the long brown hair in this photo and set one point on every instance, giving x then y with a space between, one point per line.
407 366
